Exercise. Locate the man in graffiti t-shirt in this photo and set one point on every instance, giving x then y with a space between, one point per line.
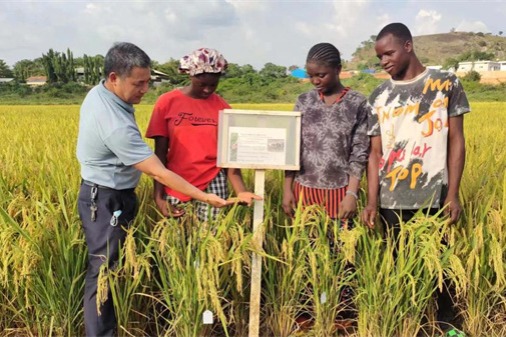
417 140
412 119
417 143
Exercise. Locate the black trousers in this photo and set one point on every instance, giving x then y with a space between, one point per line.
104 234
446 313
392 218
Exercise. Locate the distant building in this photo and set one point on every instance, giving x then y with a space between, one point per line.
6 80
34 81
479 66
80 74
491 72
158 77
299 73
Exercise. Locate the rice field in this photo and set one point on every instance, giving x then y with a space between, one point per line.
173 271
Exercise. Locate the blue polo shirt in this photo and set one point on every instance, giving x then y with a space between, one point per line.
109 140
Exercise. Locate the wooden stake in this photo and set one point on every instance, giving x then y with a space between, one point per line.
256 260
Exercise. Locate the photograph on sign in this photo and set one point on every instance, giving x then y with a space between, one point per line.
257 145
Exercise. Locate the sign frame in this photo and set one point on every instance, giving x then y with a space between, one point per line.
265 120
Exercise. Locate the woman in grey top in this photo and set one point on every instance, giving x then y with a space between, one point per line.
334 143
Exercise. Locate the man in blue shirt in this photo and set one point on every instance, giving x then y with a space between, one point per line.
112 155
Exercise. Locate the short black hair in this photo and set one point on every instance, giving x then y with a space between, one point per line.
324 53
398 30
123 57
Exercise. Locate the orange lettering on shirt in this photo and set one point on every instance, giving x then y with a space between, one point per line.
427 117
401 173
416 170
382 115
438 103
398 173
436 85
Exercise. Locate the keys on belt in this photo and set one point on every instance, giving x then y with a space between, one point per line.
93 207
93 203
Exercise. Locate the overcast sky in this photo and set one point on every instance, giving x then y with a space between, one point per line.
246 32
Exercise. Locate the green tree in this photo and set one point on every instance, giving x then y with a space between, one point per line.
451 63
5 71
92 68
248 69
233 71
472 76
270 70
236 71
27 68
71 67
171 68
59 67
47 60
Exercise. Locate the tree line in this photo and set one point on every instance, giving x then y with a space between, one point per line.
240 83
57 67
62 67
67 75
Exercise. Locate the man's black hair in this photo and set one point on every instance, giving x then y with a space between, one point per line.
398 30
123 57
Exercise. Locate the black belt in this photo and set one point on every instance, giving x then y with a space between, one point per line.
92 184
94 195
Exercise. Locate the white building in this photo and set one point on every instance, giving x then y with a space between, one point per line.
503 65
35 81
479 66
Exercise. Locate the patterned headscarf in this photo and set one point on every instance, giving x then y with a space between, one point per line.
203 60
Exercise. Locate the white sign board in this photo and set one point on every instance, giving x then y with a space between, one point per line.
259 139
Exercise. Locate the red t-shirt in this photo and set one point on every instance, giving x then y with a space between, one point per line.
191 125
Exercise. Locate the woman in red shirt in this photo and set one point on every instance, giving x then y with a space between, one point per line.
184 125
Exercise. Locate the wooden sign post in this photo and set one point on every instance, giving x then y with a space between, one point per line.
256 260
259 140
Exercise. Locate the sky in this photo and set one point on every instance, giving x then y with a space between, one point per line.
246 32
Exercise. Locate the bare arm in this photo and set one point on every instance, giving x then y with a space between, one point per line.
161 149
289 203
153 167
235 177
369 213
357 163
348 205
456 161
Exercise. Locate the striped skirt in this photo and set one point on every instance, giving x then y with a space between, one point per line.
329 199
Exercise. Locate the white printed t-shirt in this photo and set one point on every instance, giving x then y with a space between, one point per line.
412 119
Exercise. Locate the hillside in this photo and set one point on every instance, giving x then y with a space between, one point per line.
435 49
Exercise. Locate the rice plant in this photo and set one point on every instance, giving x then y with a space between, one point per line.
172 271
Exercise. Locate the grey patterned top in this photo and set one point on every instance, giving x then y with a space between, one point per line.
412 119
334 141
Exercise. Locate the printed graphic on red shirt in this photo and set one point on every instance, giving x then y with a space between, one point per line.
188 117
